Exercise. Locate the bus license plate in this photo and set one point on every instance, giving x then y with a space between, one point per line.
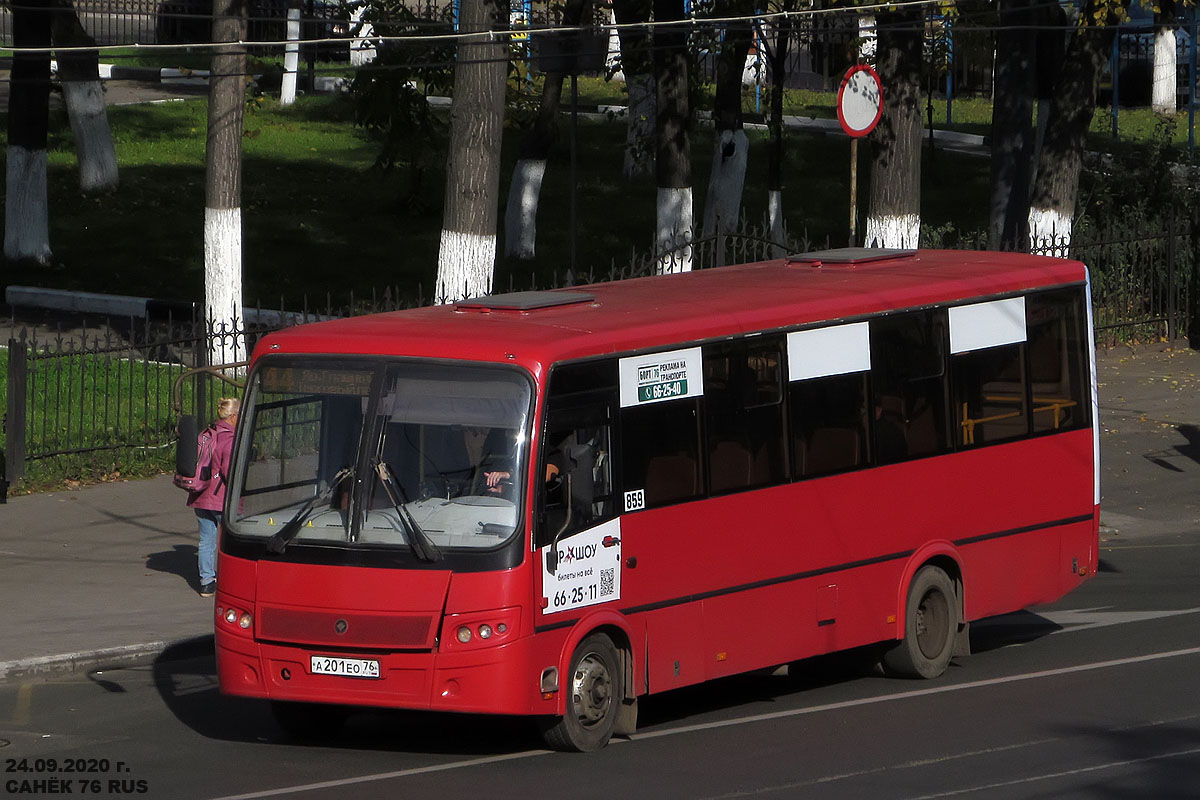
348 667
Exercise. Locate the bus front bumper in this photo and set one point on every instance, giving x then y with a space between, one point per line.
494 680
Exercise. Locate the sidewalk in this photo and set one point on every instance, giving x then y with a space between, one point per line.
96 577
106 575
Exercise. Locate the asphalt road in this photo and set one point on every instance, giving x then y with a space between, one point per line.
1094 697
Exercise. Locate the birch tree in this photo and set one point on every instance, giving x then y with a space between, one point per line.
520 218
894 212
467 252
27 208
83 95
722 207
223 184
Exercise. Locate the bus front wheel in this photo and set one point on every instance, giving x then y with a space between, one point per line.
930 625
596 689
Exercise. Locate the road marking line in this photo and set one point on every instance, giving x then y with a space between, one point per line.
1148 546
383 776
1084 618
705 726
1063 774
24 704
826 779
1050 673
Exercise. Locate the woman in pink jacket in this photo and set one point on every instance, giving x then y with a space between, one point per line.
209 503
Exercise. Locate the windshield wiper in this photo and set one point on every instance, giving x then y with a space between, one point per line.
279 542
422 546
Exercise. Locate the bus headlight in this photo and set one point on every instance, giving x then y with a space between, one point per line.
237 618
480 628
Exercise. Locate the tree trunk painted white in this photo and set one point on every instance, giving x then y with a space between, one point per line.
465 266
674 230
223 283
754 72
362 49
26 209
223 185
291 58
902 231
93 138
894 205
1072 106
1162 96
1049 232
775 223
520 218
724 202
614 48
467 252
639 135
83 95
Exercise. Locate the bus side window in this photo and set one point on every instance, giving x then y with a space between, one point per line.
908 377
576 488
577 469
743 400
1058 359
829 424
989 395
660 447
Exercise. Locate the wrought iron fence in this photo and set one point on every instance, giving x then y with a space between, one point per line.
1143 285
82 392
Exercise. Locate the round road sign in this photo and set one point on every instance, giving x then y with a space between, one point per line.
860 101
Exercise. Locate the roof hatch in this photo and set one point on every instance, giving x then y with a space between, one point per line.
848 256
524 301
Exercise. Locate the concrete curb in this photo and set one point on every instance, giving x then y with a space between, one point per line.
126 306
46 667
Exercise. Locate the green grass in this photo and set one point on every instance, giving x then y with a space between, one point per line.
318 219
115 407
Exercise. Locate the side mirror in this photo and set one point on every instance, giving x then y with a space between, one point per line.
185 448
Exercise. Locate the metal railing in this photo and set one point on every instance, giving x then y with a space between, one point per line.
80 393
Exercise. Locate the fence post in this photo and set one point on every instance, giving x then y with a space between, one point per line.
1172 305
14 420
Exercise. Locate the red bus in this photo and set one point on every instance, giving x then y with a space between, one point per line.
553 503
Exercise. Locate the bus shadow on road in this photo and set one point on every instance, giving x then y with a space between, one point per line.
185 676
765 687
1019 627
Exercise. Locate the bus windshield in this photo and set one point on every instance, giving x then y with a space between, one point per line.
387 454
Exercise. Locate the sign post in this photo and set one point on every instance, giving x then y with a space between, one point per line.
859 107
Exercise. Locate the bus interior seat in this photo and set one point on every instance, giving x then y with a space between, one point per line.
831 450
671 477
921 432
732 466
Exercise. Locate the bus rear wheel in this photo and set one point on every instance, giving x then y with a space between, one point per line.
596 689
930 626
